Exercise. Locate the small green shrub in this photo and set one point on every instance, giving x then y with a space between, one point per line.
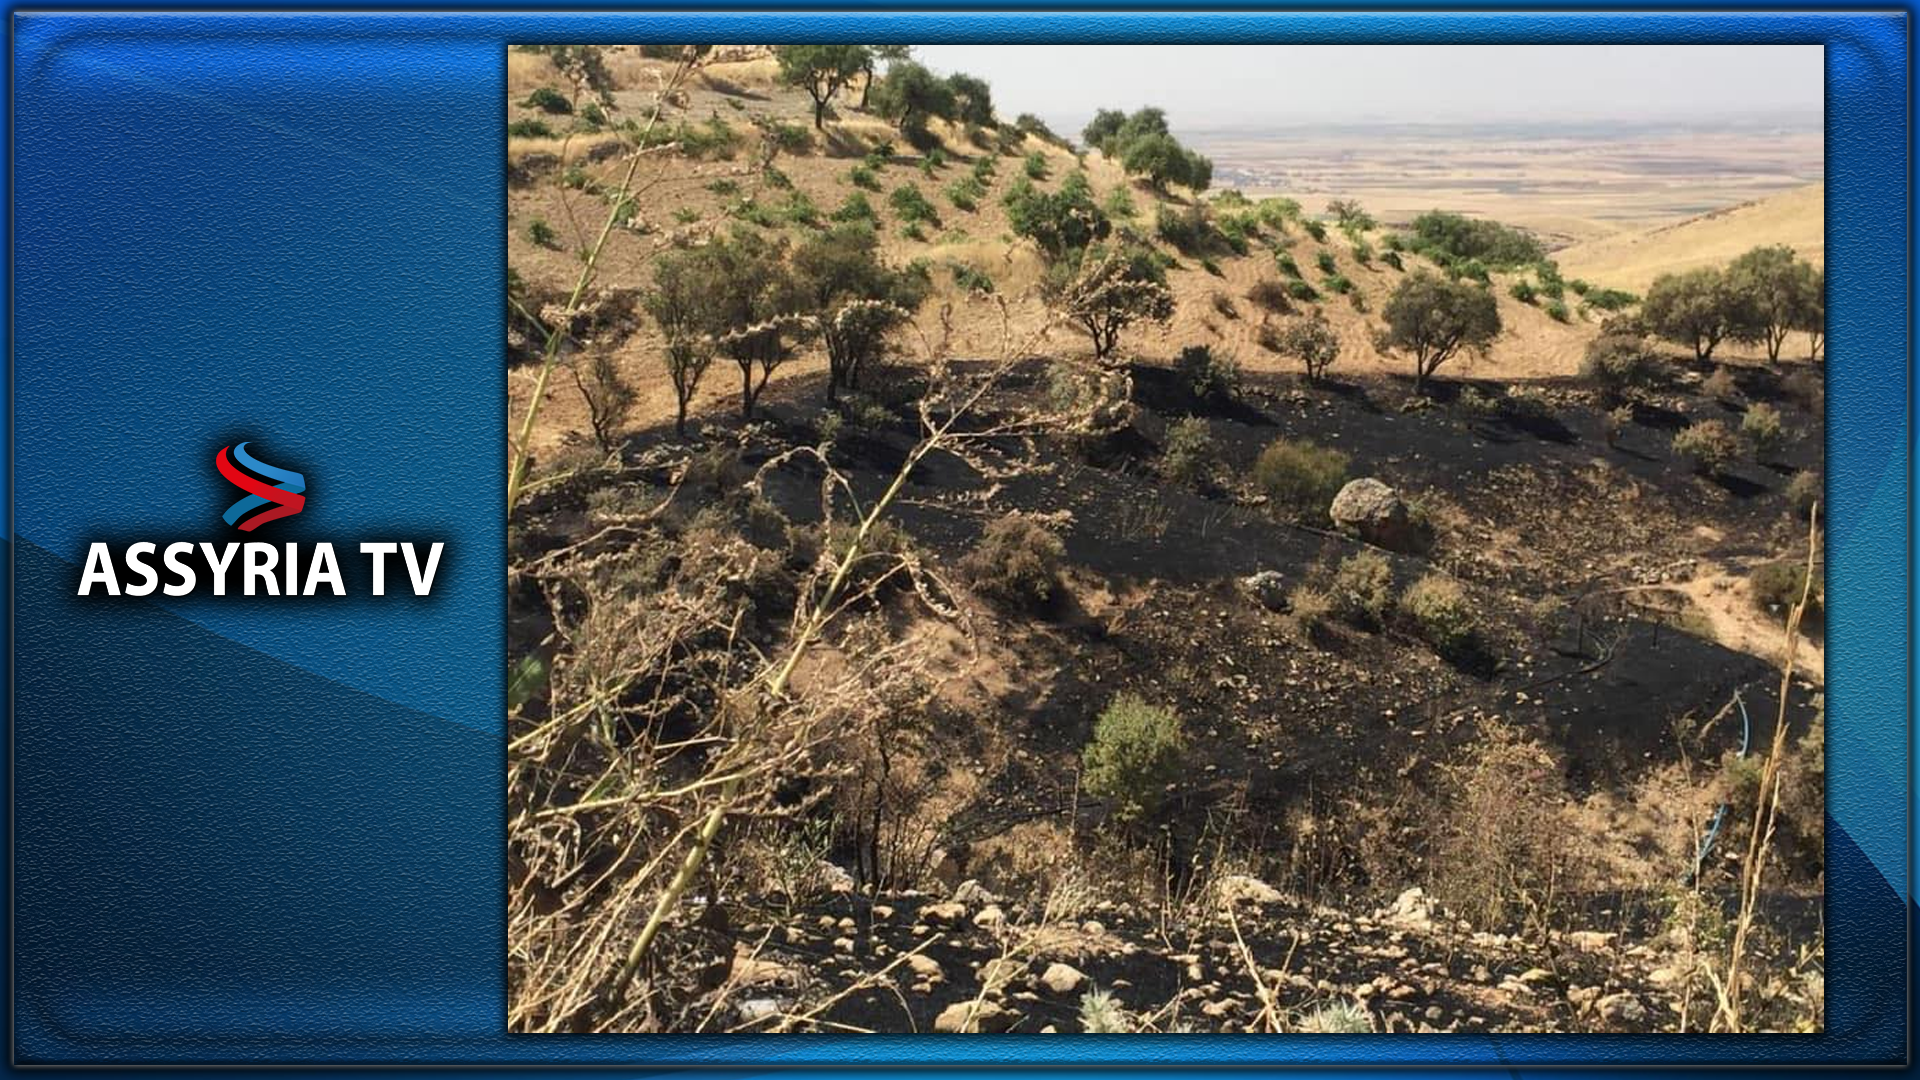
1287 265
912 207
855 207
529 129
970 279
1523 291
1709 444
1035 166
1190 457
1338 283
1776 587
1620 362
1362 589
1325 262
1300 290
1209 375
1316 230
1119 204
549 100
965 193
1299 476
1015 563
1134 755
1803 493
862 176
541 233
1556 310
1440 608
1763 429
1392 258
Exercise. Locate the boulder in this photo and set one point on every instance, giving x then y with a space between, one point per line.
1374 512
947 914
1241 889
1062 978
1621 1008
970 1016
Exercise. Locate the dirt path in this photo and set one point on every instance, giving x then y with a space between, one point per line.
1723 598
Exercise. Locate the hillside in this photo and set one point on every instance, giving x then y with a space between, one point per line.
1009 679
1632 260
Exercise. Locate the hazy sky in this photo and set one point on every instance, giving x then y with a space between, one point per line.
1203 85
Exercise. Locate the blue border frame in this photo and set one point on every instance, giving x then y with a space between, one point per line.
429 86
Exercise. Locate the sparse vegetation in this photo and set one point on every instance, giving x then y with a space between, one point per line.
1709 444
1362 589
1435 320
1016 563
1440 608
1134 756
1312 342
1300 477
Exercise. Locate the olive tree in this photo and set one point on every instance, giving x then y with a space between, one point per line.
856 300
909 95
1698 308
1776 289
1312 342
1103 291
1433 319
821 70
679 302
1812 320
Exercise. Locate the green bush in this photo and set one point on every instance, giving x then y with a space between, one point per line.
1619 362
1015 563
1763 429
1523 291
965 193
1315 230
1709 444
1461 237
1338 283
1803 493
912 207
1134 755
1556 310
1392 258
1299 476
1362 589
1190 456
529 129
1287 265
855 207
549 100
1325 262
1119 204
1440 608
1035 166
1776 587
863 176
971 279
1209 375
541 233
1300 290
1187 230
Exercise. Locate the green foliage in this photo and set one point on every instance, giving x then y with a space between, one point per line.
856 208
1338 283
910 95
541 233
1061 223
1709 444
1300 290
1556 310
1618 362
1698 308
1135 754
1608 299
1208 375
1433 319
911 206
1443 613
971 279
1763 430
1287 265
1459 237
786 138
1119 204
1781 294
965 193
862 176
1103 291
1315 229
1392 258
1776 587
1362 589
529 129
1190 457
1310 341
821 70
1300 477
1035 166
1324 260
1804 493
1146 148
1016 563
972 99
1522 291
548 100
857 299
1187 229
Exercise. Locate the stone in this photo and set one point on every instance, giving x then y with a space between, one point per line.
1239 888
1590 940
754 1009
1062 978
843 945
971 892
1374 512
1411 909
947 914
925 967
1621 1008
1582 997
971 1016
881 913
990 917
1269 588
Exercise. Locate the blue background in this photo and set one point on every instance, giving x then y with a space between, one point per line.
271 830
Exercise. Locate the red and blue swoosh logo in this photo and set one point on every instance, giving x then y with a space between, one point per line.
245 472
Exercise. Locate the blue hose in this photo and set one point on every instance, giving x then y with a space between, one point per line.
1720 815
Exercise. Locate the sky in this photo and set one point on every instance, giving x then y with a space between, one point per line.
1241 85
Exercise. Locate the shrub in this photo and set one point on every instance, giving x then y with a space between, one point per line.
1615 423
1556 310
1119 204
1062 223
1309 605
1607 299
1502 851
1016 563
1190 455
548 100
1362 589
1035 166
541 233
1776 587
1105 292
1300 290
1720 386
971 280
1299 476
1803 493
1763 429
1208 376
1187 230
1270 295
529 129
1134 755
1434 319
1440 608
1287 265
1338 283
856 208
1325 262
1392 258
1315 230
1335 1018
1710 444
1619 362
863 176
1461 238
1523 291
965 193
912 207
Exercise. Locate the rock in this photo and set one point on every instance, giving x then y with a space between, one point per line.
990 917
754 1009
1062 978
1411 909
1535 975
1374 512
947 914
1269 588
1582 997
1589 940
1621 1008
925 967
835 879
1239 888
1093 926
881 913
971 892
843 945
969 1016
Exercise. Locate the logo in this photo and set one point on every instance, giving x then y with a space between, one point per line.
291 568
285 496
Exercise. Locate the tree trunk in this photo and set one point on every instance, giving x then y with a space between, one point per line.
819 114
746 390
680 419
866 86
